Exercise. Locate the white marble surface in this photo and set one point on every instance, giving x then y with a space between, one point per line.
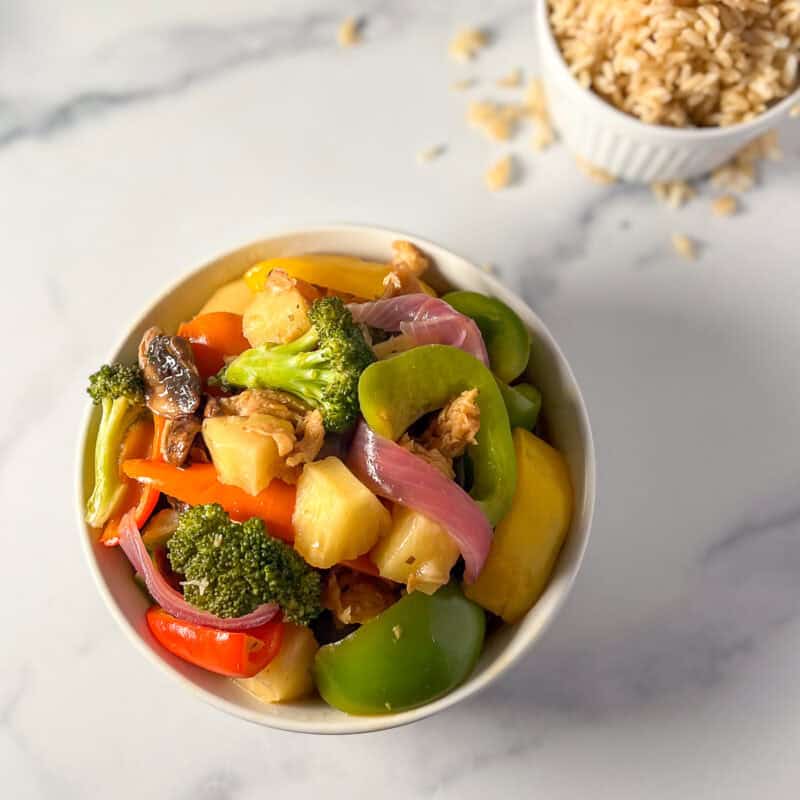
137 141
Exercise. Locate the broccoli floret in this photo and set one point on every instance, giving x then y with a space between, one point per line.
119 391
322 366
229 568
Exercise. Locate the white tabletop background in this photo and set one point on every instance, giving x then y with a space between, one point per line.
138 140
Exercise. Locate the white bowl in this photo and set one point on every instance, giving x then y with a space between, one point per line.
568 427
623 145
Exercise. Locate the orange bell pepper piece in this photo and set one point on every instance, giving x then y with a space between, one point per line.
198 484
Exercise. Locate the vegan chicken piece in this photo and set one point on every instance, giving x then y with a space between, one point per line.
172 390
408 263
354 597
302 447
455 427
429 454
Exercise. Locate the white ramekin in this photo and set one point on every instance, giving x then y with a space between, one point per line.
626 147
568 429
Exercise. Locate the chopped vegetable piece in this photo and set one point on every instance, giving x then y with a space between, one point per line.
393 472
276 315
231 653
342 273
233 297
248 451
523 410
527 542
198 484
119 391
230 568
162 590
422 320
336 517
395 393
506 337
375 670
142 440
160 528
322 367
214 336
288 676
417 551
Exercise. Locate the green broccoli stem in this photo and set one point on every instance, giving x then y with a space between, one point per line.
295 367
116 416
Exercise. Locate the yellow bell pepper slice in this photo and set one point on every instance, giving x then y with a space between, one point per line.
341 273
346 274
528 539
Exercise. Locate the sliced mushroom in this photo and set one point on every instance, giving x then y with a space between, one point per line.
179 436
172 383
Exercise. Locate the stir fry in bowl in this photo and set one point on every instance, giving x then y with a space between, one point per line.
331 480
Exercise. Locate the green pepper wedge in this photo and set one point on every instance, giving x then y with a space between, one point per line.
396 392
522 404
417 650
504 333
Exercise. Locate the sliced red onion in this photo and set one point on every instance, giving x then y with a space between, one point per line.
425 319
394 473
172 601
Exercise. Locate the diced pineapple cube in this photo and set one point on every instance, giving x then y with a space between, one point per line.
233 297
336 518
417 551
245 450
288 675
276 317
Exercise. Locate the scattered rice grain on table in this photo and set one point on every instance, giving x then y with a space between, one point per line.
795 112
674 193
430 153
500 174
682 62
497 120
467 43
725 205
349 33
513 80
684 246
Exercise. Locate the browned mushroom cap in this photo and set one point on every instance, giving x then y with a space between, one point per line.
171 380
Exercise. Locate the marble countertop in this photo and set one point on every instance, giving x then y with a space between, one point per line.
137 141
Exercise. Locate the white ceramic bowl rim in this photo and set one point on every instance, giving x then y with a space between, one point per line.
755 125
348 724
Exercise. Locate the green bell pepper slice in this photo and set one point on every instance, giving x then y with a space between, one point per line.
504 333
523 403
417 650
396 392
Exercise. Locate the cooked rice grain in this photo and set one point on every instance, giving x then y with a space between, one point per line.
682 62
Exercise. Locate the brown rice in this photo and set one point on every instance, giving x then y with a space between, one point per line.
682 62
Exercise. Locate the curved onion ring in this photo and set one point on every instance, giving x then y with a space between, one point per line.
425 319
172 601
394 473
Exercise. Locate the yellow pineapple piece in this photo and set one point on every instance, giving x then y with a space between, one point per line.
336 518
276 317
248 451
417 551
288 675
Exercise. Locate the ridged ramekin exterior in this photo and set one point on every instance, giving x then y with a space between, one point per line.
624 146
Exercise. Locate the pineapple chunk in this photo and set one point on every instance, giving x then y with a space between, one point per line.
248 451
276 317
288 675
417 551
336 518
233 297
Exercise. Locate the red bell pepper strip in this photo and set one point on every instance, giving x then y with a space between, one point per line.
198 484
143 439
214 336
232 653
